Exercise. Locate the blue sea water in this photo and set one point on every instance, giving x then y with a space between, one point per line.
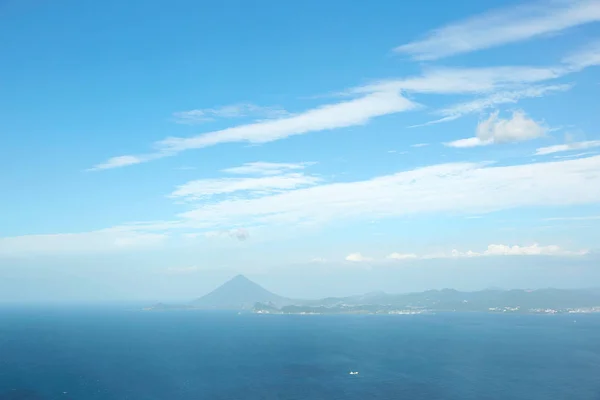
94 353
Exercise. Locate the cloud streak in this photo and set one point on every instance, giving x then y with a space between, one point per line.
266 168
205 188
542 151
333 116
198 116
470 188
502 26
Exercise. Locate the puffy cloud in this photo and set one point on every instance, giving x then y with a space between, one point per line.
500 130
357 257
502 26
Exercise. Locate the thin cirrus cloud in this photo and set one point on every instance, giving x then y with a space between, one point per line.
503 97
465 188
495 130
542 151
502 84
205 188
332 116
502 26
198 116
266 168
471 188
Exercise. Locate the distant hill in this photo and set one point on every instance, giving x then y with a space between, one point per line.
239 293
445 300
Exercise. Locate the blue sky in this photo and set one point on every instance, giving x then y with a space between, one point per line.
152 150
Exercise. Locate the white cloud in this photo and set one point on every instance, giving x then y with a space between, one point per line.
469 188
402 256
504 97
576 155
332 116
516 129
442 80
205 188
230 111
499 27
499 130
586 56
496 250
116 162
419 145
265 168
357 257
318 260
567 147
532 250
469 142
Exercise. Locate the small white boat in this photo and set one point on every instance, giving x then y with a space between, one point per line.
353 372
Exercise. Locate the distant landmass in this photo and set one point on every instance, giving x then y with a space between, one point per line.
241 294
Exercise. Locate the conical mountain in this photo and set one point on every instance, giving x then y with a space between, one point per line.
239 293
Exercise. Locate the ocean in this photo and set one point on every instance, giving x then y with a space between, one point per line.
112 353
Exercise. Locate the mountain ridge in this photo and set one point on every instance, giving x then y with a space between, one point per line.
240 293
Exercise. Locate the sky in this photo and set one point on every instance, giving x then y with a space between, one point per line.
151 150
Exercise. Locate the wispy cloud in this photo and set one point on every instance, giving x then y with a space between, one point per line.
443 80
116 162
332 116
402 256
504 97
494 129
502 26
567 147
469 188
205 188
266 168
496 250
419 145
466 188
202 115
